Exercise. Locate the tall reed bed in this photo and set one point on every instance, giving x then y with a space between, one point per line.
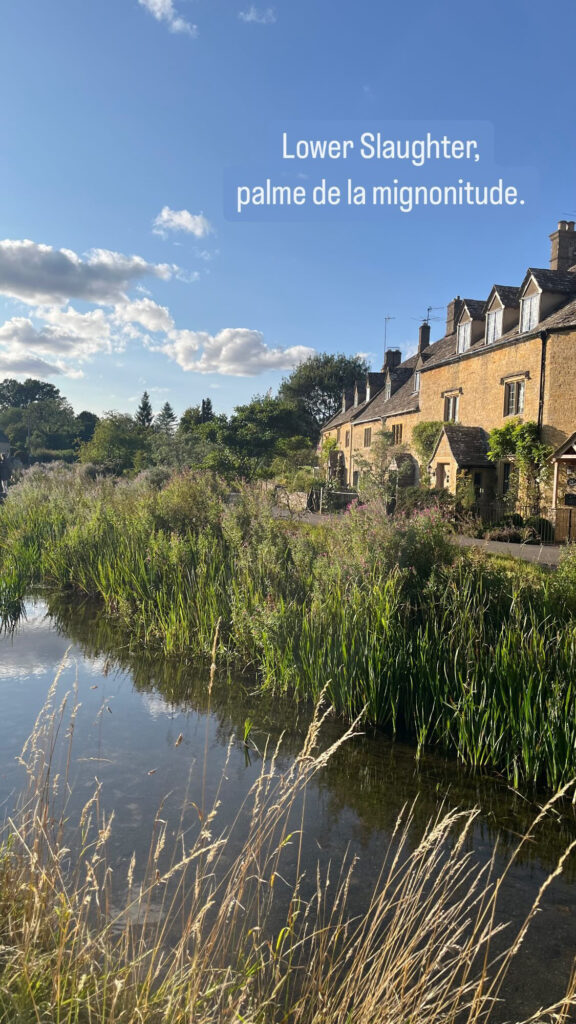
449 649
216 927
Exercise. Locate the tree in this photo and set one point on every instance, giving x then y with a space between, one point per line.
119 443
197 414
144 415
86 425
17 395
166 420
206 410
315 388
258 431
43 429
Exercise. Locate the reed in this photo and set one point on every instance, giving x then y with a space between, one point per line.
448 649
216 926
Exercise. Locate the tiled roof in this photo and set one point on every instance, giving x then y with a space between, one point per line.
377 381
469 445
475 307
553 280
510 296
405 399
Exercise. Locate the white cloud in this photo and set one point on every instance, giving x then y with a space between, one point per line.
40 274
24 348
234 351
181 220
163 10
145 312
258 17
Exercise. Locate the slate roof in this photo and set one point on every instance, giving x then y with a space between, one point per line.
553 280
475 307
509 296
377 381
469 445
404 399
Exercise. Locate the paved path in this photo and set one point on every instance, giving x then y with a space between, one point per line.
539 554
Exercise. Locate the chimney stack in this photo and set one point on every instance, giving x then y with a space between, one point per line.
423 337
563 254
392 359
453 311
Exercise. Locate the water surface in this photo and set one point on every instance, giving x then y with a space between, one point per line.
153 737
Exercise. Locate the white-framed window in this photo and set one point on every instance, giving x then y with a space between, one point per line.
530 312
494 325
451 403
513 397
417 381
464 336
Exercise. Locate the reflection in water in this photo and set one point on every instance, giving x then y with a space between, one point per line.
148 723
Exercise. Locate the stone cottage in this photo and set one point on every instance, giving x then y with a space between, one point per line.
509 355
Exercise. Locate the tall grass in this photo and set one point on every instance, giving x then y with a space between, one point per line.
216 926
445 648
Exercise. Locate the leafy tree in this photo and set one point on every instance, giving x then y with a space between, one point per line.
197 414
119 443
17 395
315 388
86 425
144 416
42 429
257 431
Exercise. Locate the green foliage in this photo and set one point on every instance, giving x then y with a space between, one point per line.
47 423
376 481
118 444
424 440
16 394
315 388
520 443
449 650
86 425
144 416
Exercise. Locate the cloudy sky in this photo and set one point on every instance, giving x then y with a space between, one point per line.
120 120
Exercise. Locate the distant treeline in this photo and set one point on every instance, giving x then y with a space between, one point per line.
272 435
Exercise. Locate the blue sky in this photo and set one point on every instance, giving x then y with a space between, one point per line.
116 110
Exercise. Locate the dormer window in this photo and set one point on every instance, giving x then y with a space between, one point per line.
530 312
464 336
494 325
417 381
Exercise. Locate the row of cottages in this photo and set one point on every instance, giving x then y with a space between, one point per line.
511 355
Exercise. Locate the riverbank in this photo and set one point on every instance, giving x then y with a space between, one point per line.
389 618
